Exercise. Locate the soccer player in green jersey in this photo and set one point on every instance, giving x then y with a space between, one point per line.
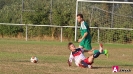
85 41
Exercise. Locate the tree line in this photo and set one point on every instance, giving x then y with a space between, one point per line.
62 13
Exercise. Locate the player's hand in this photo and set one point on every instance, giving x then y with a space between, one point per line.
79 40
69 63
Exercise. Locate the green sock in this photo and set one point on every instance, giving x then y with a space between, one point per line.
95 51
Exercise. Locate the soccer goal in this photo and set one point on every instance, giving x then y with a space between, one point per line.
110 21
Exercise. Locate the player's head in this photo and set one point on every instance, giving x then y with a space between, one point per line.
80 18
71 46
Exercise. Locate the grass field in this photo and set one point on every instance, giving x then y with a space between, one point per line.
15 58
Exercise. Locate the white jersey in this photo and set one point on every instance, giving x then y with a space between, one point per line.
77 56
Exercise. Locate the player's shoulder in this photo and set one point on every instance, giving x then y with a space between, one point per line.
84 25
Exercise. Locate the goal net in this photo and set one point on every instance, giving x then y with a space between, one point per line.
110 21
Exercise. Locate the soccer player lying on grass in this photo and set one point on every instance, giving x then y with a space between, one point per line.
79 58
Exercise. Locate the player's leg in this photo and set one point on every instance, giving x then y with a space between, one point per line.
86 63
85 46
105 51
91 58
89 61
89 51
94 51
88 47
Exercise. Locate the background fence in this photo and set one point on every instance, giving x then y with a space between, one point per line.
109 22
96 37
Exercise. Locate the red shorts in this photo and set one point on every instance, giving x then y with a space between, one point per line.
86 60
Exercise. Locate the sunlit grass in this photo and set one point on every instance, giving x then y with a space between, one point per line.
52 55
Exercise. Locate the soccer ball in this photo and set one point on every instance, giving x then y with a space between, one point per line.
33 59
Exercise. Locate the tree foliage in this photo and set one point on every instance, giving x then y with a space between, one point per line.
63 14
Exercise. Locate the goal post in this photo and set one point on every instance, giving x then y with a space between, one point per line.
105 16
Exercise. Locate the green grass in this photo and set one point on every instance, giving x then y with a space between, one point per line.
15 58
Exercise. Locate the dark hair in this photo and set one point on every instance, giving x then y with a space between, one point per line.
81 15
70 43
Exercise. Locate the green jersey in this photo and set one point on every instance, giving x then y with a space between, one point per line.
86 42
85 28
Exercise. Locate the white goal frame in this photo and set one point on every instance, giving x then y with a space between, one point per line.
92 1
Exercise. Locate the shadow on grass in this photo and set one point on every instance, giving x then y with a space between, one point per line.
14 61
20 61
101 67
111 67
127 65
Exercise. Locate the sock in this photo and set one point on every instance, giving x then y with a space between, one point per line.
96 55
95 51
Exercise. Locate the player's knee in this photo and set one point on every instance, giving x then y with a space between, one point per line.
90 52
91 58
96 55
84 64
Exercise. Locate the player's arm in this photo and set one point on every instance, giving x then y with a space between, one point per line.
70 60
85 34
69 63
